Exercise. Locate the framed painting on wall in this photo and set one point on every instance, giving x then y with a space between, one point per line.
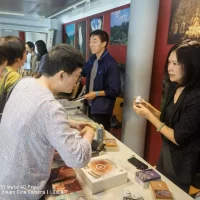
119 24
81 37
70 34
96 23
184 21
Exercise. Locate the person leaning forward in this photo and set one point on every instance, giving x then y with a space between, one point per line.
34 124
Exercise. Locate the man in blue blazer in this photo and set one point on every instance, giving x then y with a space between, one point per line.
102 79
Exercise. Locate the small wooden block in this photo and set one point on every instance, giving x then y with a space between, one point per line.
110 142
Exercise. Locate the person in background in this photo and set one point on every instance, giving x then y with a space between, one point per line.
16 58
30 48
41 50
3 56
102 80
179 120
34 124
16 52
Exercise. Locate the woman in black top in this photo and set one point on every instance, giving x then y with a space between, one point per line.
179 120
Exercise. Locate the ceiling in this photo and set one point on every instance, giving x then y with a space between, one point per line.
40 8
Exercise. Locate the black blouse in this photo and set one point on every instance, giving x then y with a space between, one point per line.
184 118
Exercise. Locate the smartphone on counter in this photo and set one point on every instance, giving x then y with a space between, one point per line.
137 163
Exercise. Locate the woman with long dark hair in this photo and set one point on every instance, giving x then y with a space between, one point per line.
179 120
41 50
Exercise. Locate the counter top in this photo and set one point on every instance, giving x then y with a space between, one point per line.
120 154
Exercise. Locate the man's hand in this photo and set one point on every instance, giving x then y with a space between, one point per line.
88 133
90 96
82 124
79 125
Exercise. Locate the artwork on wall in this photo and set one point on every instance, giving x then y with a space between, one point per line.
119 26
70 34
81 37
184 21
96 23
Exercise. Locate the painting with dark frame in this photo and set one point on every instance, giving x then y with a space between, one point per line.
96 23
184 21
119 24
81 37
70 34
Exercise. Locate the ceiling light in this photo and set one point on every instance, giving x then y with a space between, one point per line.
7 13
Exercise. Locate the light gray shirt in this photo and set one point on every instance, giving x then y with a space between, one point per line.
33 61
33 125
93 74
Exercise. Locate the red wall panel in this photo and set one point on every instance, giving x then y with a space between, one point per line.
22 35
153 141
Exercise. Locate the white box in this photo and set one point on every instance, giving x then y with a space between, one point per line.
102 173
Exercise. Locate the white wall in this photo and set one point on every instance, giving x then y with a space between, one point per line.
92 9
41 25
33 36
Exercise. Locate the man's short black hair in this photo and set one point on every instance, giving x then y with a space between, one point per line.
103 35
62 57
188 56
3 52
31 45
15 48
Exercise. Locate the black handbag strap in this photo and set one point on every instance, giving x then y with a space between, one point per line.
3 89
9 93
4 82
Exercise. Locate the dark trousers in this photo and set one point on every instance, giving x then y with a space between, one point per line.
103 119
160 167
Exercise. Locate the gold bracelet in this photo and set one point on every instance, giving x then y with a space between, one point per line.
160 127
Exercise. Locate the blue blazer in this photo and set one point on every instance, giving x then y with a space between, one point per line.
107 79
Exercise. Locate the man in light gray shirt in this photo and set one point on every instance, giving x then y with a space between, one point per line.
30 48
34 124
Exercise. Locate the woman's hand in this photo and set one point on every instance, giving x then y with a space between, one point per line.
148 106
144 103
142 109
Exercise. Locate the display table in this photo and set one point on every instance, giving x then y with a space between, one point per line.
120 154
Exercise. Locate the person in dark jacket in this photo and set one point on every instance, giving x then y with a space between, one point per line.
102 80
179 120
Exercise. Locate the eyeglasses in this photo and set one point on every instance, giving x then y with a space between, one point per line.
79 79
